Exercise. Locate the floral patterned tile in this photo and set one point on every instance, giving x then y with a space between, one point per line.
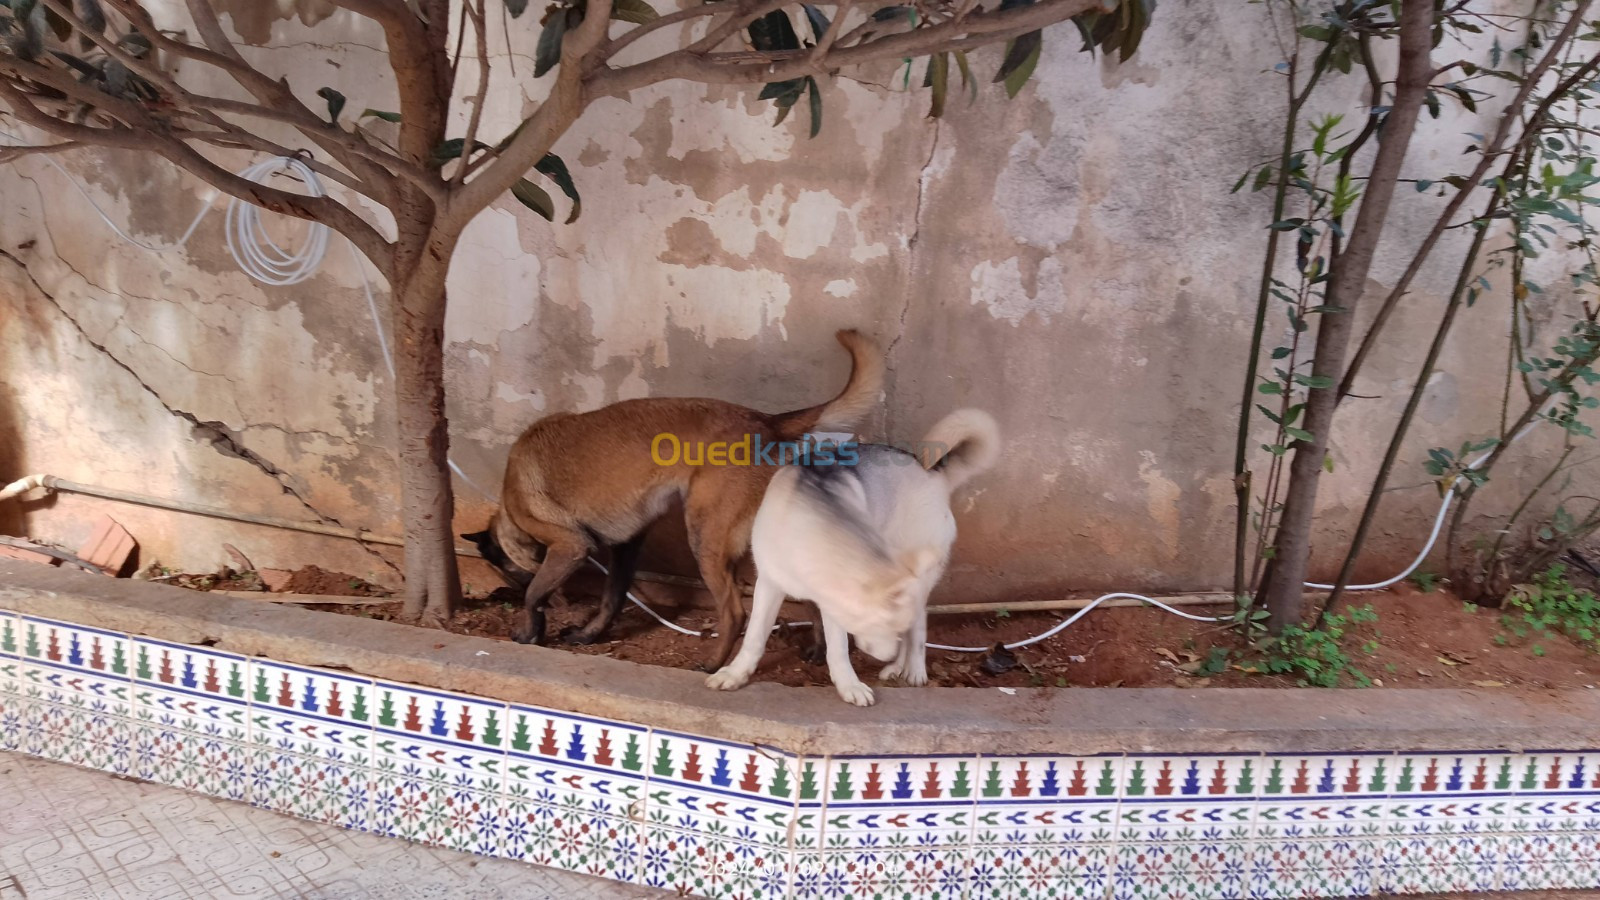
711 863
1194 861
604 846
869 873
1313 868
1023 871
1451 863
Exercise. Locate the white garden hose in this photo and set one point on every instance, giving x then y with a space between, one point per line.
262 259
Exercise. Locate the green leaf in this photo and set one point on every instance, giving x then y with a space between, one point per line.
1299 434
816 106
819 22
777 89
1263 178
939 76
452 148
516 7
335 102
967 81
134 44
555 168
636 11
381 114
773 31
534 198
1022 56
1270 387
1314 381
548 53
77 65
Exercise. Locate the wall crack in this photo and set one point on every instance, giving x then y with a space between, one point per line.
912 242
218 435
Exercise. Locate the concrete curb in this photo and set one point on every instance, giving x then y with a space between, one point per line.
1078 721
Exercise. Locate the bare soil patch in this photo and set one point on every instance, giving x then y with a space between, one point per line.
1420 640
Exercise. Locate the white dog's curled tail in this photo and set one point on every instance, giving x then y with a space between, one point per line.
962 445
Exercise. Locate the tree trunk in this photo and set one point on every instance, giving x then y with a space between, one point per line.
1284 587
433 585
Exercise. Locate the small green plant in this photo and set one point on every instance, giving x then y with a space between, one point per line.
1316 656
1427 582
1550 605
1248 620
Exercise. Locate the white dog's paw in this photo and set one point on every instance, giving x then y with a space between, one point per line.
917 677
727 678
856 693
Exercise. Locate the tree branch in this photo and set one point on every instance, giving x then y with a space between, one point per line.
12 154
473 9
269 93
836 27
1491 151
146 137
538 133
953 34
627 38
235 139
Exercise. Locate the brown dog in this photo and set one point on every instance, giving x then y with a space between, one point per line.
575 482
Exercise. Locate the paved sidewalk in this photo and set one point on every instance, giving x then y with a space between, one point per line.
67 832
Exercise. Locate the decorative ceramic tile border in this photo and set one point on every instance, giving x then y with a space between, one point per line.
707 817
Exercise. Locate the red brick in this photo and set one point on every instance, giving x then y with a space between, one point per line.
109 547
276 580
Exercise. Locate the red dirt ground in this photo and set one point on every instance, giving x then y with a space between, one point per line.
1423 640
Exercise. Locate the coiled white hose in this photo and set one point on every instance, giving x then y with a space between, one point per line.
258 256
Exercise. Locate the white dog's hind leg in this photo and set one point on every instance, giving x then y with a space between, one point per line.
839 669
763 615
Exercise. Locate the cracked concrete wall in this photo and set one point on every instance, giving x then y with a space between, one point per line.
1071 261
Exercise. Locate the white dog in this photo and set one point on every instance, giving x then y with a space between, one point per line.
866 542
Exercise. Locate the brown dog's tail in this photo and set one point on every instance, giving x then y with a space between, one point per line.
962 445
859 396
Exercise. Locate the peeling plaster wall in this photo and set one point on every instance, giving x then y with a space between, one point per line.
1071 261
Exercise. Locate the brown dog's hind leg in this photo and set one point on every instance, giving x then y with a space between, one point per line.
814 650
719 518
563 557
624 561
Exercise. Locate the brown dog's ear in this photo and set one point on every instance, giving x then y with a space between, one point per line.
477 537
